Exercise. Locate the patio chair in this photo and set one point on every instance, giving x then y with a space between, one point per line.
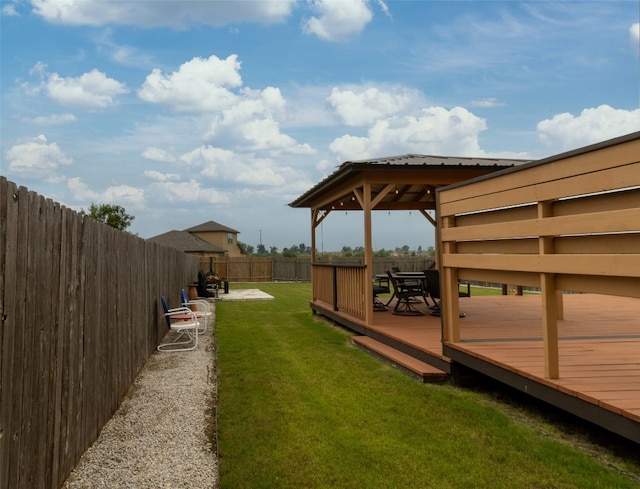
200 307
406 292
183 321
432 288
380 286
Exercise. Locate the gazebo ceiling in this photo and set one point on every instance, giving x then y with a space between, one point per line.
405 182
400 197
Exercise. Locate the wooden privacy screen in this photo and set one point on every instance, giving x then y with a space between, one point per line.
571 222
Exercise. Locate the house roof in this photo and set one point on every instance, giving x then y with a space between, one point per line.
415 176
211 226
185 241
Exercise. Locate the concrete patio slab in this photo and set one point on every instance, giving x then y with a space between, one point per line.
245 295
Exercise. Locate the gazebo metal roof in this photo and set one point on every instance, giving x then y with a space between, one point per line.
413 177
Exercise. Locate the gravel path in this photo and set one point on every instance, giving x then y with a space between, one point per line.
159 438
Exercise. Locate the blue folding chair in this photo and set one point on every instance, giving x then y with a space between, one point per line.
183 321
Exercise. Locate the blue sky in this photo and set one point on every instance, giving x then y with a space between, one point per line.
189 111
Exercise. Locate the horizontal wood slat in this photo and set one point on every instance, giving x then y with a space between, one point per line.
609 264
527 192
617 221
574 165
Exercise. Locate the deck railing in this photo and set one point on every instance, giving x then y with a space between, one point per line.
571 222
342 286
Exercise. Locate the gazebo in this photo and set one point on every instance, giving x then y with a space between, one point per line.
407 182
567 225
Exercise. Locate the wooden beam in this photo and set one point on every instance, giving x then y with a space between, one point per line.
549 302
449 301
550 326
381 195
314 213
318 218
368 254
429 218
358 193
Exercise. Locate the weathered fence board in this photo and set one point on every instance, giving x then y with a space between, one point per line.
284 269
80 315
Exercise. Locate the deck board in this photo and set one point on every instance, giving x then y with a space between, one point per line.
422 370
599 343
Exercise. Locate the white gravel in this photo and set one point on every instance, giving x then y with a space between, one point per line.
158 438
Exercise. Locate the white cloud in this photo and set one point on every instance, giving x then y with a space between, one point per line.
51 120
171 13
161 177
124 195
325 167
435 130
92 90
80 191
363 106
207 160
251 124
337 20
385 9
566 131
157 154
634 36
9 10
190 191
224 165
487 103
199 85
37 159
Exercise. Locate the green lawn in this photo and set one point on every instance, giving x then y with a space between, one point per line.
300 407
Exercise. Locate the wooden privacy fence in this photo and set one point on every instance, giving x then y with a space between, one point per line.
570 222
283 269
80 315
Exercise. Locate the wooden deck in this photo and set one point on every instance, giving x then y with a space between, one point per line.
501 336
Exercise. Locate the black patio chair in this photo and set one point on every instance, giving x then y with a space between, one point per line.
406 292
380 286
432 289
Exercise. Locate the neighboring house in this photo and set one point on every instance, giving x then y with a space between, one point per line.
218 235
208 239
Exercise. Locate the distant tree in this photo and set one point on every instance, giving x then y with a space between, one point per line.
419 248
112 215
246 248
294 250
261 250
303 248
273 250
346 249
381 253
289 253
